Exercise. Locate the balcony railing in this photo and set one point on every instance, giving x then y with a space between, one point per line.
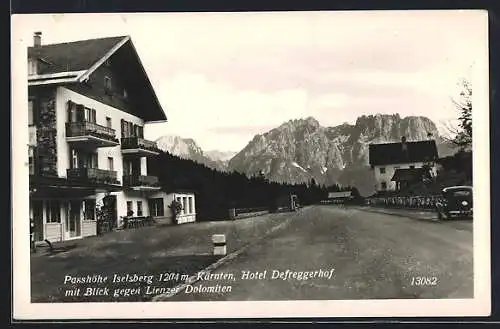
90 129
93 175
138 144
140 180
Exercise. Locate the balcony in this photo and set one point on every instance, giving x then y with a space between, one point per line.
139 146
93 176
141 182
90 134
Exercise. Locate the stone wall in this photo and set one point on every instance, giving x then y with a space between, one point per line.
46 132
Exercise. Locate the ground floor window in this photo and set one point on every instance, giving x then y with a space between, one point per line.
184 205
156 207
130 211
53 211
190 204
89 209
139 208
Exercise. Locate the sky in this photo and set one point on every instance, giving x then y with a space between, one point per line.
224 77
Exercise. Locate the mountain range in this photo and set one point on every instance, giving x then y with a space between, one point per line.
300 150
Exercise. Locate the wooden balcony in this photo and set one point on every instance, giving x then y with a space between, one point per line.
90 134
93 176
141 182
139 146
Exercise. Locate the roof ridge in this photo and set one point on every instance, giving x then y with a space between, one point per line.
81 40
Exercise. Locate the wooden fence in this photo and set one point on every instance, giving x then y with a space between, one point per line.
423 202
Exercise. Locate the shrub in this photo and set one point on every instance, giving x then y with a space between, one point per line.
175 207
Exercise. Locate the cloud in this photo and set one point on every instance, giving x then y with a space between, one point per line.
224 76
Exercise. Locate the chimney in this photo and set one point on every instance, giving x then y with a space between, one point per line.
37 39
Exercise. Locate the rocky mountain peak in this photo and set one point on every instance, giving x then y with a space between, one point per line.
301 149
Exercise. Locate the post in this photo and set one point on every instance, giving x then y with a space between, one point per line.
219 241
232 213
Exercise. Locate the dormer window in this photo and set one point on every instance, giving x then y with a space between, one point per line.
32 66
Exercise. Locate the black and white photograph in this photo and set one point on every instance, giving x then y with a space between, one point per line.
267 164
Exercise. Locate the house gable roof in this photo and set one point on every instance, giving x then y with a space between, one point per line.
394 153
72 56
74 62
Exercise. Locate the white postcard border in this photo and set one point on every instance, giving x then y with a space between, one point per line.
480 305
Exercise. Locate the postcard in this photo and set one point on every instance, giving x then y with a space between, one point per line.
251 165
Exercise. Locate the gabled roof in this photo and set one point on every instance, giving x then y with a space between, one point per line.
74 62
407 174
73 56
394 153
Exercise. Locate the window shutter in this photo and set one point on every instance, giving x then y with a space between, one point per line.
94 116
70 111
122 123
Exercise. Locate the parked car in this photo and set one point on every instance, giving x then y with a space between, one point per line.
456 203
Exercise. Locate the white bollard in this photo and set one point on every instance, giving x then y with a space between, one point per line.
219 241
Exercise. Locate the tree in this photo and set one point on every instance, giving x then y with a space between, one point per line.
463 136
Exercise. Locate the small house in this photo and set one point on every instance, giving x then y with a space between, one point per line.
385 159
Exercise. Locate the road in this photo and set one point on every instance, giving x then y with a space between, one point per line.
371 256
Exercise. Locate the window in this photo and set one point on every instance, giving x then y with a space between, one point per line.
108 122
31 161
111 165
179 200
156 207
82 159
382 170
129 207
131 129
140 131
107 84
383 185
31 120
90 115
89 209
127 167
190 205
32 66
184 205
139 208
53 211
89 160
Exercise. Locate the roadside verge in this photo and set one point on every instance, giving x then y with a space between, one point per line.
194 278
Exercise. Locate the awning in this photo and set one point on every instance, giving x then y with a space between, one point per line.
407 174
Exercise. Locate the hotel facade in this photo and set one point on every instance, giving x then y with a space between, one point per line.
88 102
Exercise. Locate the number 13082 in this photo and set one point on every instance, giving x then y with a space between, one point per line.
424 281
